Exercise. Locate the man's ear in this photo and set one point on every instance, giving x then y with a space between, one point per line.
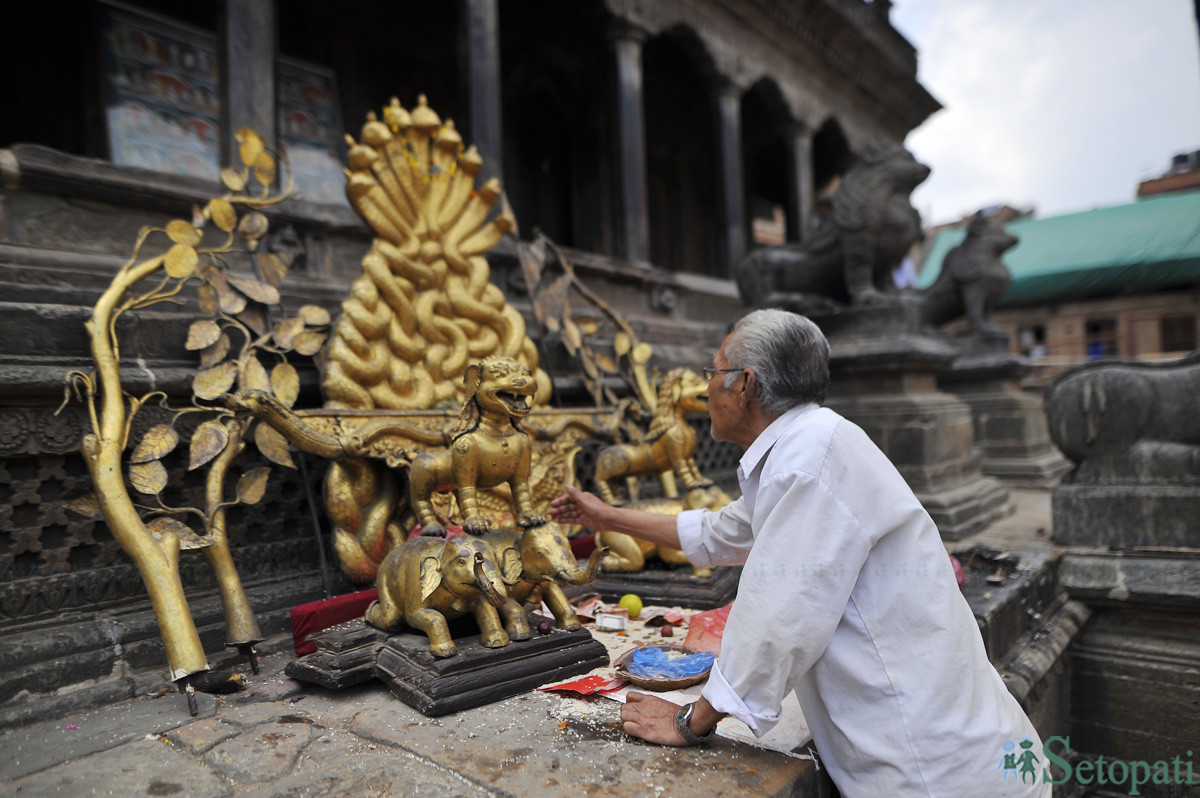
749 389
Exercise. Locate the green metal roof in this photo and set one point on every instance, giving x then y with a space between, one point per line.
1150 244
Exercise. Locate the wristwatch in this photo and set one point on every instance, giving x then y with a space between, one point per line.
682 718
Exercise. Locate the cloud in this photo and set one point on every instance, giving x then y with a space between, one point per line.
1063 105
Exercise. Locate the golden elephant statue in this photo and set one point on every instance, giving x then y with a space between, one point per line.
429 581
534 563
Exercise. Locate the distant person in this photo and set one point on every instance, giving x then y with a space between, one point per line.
847 596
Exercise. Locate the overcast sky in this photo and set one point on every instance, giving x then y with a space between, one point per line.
1063 105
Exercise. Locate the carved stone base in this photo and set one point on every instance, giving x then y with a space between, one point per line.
477 675
1010 424
1123 516
671 587
969 507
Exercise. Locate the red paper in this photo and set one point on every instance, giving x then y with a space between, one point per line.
588 685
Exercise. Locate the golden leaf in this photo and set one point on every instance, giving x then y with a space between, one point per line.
157 443
255 317
264 168
254 376
286 331
232 179
210 303
258 291
164 525
253 485
254 225
588 325
641 353
148 478
211 383
621 343
232 302
552 324
570 336
202 334
88 506
273 445
215 353
285 384
223 214
271 267
605 362
250 145
208 441
181 261
314 315
309 342
181 232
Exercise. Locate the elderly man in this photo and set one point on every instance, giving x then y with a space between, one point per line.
847 596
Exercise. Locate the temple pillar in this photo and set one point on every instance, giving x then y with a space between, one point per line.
800 183
732 178
633 236
247 48
481 48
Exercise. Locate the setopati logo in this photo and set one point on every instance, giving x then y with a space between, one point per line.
1021 764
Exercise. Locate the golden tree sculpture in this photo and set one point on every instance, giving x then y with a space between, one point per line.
232 344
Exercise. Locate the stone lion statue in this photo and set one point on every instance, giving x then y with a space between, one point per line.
973 278
851 258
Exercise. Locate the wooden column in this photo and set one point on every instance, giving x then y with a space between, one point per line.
247 49
481 45
800 186
732 178
633 242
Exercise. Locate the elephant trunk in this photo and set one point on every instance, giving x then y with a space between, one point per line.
581 576
487 579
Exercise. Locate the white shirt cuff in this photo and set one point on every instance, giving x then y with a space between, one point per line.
723 699
688 527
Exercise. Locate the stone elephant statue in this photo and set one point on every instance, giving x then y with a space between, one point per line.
1128 421
429 581
534 563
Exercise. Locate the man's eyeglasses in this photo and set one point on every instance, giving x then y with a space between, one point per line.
710 373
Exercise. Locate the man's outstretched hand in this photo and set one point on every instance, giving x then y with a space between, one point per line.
651 718
578 507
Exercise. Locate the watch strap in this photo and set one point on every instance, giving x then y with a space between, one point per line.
682 719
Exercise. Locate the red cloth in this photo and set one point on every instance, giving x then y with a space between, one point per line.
314 616
583 546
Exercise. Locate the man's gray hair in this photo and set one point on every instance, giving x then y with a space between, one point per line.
789 356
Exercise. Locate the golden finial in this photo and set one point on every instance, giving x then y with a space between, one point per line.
448 138
423 117
375 133
396 117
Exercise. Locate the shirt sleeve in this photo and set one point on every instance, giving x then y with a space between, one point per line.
710 538
791 597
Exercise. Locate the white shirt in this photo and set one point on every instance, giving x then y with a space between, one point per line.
848 597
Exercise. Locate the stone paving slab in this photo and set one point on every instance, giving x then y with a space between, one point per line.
138 767
28 749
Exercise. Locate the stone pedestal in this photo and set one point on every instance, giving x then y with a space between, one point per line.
884 372
1010 424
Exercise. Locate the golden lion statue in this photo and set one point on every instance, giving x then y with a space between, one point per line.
669 450
488 448
670 444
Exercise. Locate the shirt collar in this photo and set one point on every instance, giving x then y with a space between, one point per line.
767 438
